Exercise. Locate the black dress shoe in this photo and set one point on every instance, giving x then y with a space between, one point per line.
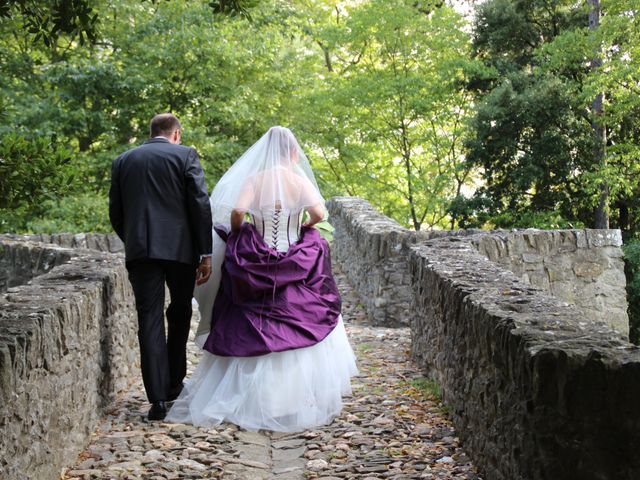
174 393
157 411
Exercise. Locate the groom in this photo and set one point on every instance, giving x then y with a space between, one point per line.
159 207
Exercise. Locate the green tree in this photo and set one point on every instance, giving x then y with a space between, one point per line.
533 135
220 74
48 21
618 37
32 172
390 107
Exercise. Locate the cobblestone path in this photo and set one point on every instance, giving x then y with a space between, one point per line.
393 427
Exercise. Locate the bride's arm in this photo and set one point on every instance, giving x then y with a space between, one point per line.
237 218
311 196
316 214
243 204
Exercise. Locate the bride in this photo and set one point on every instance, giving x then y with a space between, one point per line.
276 355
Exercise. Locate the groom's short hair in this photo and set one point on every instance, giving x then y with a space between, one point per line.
163 124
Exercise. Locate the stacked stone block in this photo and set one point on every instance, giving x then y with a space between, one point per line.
539 388
536 390
20 263
102 242
68 345
373 250
582 267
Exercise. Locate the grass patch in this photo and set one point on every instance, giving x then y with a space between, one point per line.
365 347
430 389
377 390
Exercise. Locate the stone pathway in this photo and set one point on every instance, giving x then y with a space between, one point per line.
393 427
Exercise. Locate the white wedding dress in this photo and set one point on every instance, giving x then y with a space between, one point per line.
284 391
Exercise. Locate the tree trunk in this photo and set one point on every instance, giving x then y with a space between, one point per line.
624 223
599 129
84 143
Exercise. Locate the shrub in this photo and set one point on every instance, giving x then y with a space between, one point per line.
632 271
481 212
85 212
545 220
32 173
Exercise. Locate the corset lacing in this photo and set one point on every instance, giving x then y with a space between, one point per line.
279 228
275 226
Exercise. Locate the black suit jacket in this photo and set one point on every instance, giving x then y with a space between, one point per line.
158 203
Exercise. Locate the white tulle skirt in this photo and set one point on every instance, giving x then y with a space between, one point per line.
284 391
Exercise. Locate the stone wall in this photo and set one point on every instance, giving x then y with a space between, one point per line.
20 263
68 345
102 242
373 249
537 390
582 267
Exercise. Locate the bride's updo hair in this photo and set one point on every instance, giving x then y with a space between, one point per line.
287 144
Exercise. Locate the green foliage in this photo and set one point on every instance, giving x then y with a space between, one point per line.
530 145
233 7
32 172
481 212
78 20
529 219
532 131
429 388
85 212
380 107
326 230
393 100
473 212
387 115
532 138
632 270
47 21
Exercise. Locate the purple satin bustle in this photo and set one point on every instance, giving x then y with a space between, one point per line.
271 301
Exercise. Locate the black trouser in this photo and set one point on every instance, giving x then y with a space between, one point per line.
163 359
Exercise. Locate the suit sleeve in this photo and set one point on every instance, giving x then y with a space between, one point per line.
198 205
116 212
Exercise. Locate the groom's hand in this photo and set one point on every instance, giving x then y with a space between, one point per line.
204 271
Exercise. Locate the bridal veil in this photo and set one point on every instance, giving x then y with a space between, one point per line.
273 173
